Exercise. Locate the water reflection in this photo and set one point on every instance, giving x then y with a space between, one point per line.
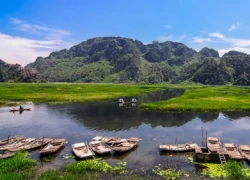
80 122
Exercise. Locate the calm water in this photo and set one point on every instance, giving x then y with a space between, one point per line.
80 122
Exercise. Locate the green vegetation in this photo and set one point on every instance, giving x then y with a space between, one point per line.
87 169
195 98
167 174
124 60
17 167
14 92
231 170
206 98
21 167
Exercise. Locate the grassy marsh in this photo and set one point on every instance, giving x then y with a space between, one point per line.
195 98
68 92
206 98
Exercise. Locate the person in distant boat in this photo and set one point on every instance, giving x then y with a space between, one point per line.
20 107
133 100
121 100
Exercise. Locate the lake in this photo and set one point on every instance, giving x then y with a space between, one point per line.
80 122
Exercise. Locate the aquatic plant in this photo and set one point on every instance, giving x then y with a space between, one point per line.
86 169
168 173
235 170
17 167
67 156
213 170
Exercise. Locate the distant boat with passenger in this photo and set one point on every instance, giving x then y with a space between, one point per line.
121 100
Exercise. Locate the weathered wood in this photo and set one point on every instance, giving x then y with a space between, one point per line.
53 146
82 150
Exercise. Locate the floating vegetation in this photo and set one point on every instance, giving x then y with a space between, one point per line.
67 156
167 174
96 165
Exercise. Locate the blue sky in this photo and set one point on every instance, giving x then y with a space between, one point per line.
32 28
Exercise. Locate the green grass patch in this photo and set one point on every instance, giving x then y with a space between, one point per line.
206 98
87 169
232 170
17 167
195 98
68 92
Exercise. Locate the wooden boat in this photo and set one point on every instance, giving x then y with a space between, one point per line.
97 138
24 109
99 147
213 144
16 144
82 150
178 147
112 140
52 147
125 145
245 151
6 154
11 140
31 144
232 151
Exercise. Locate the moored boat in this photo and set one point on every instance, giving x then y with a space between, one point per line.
245 151
11 140
16 144
99 147
32 144
178 147
82 150
213 144
6 154
112 140
52 146
232 151
125 145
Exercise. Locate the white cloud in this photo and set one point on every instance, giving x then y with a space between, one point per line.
200 40
168 26
23 51
216 34
238 42
16 21
46 32
234 27
171 38
222 43
240 49
180 38
164 38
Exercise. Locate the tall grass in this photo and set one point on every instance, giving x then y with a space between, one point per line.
18 167
195 98
68 92
207 98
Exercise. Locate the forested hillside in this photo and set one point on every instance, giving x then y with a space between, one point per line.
119 60
16 73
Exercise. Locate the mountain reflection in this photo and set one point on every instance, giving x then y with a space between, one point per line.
112 116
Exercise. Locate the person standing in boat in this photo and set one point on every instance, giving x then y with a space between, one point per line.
20 107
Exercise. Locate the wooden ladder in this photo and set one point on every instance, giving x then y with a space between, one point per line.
222 157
